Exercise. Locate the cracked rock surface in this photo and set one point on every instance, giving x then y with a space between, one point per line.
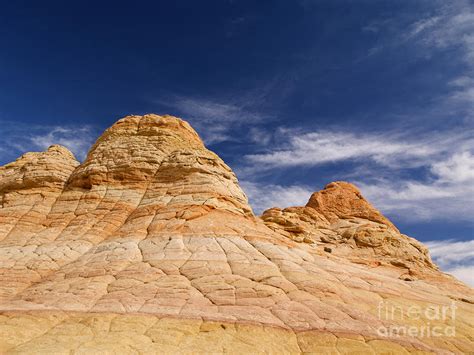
150 246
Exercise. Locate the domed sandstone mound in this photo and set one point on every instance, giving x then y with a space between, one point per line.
341 221
150 246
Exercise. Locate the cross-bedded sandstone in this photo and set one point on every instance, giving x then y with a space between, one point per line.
150 246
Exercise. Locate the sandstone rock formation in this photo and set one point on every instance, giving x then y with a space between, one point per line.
150 246
341 220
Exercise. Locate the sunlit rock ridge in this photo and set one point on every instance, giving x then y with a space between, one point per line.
150 246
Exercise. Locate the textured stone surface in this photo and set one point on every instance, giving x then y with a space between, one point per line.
341 220
150 246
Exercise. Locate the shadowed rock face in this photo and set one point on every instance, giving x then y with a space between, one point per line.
150 246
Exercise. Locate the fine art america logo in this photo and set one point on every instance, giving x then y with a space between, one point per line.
428 321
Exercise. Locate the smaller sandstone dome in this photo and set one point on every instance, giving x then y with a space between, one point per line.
50 168
60 150
341 199
342 218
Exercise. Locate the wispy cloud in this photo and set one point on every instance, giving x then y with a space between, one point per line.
213 119
447 27
462 94
453 26
414 176
77 139
454 257
447 195
417 201
20 138
421 26
386 148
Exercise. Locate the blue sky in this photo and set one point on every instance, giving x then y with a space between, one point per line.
291 94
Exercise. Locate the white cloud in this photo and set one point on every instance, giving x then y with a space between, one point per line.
445 187
20 138
463 273
454 257
214 120
462 82
259 136
449 195
389 149
448 252
423 25
414 201
77 139
454 27
371 27
439 168
459 168
263 196
208 110
448 27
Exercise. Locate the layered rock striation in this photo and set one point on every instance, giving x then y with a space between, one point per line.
150 246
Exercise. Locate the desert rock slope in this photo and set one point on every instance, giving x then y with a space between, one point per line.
150 246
